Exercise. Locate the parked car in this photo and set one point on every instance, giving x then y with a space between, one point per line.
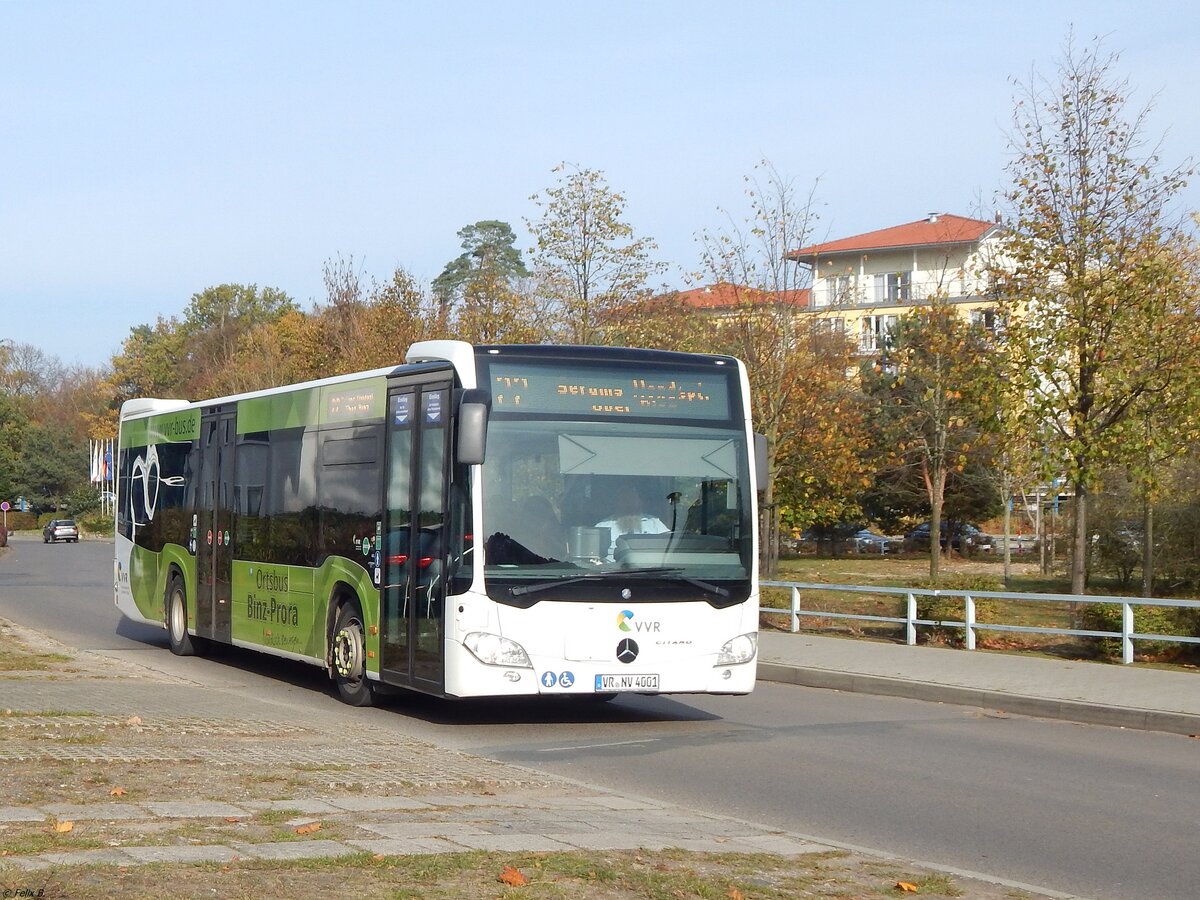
961 537
867 541
849 537
60 530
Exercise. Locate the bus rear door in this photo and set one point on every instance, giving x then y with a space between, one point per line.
214 534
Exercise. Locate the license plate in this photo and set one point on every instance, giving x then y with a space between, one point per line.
608 683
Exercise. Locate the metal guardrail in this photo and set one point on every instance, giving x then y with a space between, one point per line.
970 623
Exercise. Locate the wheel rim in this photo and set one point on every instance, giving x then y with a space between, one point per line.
348 652
178 617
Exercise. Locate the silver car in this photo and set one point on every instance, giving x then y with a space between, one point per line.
60 530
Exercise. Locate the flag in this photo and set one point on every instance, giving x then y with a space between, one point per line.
94 452
108 473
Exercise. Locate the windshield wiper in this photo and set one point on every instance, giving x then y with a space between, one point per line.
671 574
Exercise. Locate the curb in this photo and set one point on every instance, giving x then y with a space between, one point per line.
1069 710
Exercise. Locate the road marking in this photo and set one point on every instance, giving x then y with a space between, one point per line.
596 746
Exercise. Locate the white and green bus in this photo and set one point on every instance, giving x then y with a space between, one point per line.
454 525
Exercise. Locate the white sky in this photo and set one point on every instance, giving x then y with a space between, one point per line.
149 150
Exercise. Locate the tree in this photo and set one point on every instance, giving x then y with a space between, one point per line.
821 468
1163 425
1093 325
797 371
52 465
213 324
149 364
661 322
934 390
197 355
488 259
481 291
587 260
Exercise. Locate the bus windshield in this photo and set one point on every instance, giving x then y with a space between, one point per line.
580 502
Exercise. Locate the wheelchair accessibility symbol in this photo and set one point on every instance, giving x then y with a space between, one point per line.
562 679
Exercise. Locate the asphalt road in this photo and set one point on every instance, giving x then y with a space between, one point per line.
1094 811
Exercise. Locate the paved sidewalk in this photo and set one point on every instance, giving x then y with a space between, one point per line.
560 819
215 777
1089 692
240 770
396 795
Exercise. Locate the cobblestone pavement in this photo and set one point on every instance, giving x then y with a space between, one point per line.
419 823
384 793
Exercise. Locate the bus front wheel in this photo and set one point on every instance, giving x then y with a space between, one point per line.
177 620
350 656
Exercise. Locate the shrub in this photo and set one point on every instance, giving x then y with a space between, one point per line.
96 523
21 521
967 582
1146 620
952 608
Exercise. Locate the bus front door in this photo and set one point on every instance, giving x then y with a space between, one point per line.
414 584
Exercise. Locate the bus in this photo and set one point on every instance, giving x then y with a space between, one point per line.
449 525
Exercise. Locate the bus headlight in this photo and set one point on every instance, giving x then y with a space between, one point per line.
493 650
740 649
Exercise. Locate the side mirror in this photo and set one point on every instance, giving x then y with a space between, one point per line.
760 461
473 408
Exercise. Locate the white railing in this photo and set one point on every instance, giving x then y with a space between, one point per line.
969 623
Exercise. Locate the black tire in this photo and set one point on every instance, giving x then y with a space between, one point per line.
182 643
348 654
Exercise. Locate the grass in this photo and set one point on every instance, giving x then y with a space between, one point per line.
14 658
629 874
41 838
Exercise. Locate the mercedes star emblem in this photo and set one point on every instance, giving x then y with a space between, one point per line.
627 650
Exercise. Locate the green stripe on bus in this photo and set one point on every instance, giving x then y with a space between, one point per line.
286 410
167 428
334 404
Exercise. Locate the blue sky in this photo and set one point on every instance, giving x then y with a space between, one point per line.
150 150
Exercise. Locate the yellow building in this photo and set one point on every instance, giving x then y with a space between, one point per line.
862 284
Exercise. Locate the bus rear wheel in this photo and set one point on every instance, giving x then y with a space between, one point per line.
177 619
350 656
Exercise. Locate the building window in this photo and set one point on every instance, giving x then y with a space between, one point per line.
835 325
838 289
985 319
893 287
877 333
990 320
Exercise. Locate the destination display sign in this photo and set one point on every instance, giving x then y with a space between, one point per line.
355 402
628 391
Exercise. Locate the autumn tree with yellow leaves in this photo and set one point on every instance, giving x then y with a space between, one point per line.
1098 322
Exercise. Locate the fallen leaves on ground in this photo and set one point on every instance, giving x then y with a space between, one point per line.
513 877
307 829
907 886
118 792
63 827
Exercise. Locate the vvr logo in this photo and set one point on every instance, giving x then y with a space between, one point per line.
625 623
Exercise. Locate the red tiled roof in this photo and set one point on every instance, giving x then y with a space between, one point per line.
724 295
942 228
